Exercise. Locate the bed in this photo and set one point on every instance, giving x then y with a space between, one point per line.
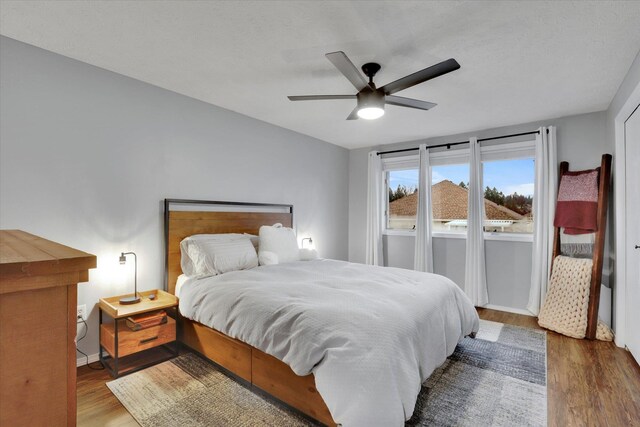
252 356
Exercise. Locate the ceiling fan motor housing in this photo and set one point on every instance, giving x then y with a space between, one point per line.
371 99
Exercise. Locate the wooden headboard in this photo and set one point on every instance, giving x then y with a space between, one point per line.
235 217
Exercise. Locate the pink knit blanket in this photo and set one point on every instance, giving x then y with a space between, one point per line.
577 205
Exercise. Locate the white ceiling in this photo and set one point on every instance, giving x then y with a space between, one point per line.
521 61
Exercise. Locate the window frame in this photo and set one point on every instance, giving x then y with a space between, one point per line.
405 162
442 157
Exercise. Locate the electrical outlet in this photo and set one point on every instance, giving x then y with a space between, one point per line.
82 312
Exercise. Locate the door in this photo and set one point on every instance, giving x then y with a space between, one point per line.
632 198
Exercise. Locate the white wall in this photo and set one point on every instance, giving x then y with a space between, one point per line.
628 85
582 140
87 155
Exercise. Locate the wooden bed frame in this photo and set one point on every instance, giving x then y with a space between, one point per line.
252 365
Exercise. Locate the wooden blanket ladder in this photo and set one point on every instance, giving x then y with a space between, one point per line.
604 176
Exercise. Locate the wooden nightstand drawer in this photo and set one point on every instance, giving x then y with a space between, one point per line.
134 341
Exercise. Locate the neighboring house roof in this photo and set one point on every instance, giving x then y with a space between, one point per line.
449 202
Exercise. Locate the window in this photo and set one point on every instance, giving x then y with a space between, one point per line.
449 193
449 197
402 190
508 181
508 193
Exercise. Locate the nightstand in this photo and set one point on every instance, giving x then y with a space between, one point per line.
117 341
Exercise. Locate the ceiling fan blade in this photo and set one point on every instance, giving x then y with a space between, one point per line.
418 77
408 102
319 97
346 67
354 114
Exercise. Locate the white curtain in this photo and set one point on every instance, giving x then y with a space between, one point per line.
423 260
544 207
475 277
374 211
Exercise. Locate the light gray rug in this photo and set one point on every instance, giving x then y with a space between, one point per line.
497 379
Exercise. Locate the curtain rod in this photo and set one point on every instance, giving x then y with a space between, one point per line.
451 144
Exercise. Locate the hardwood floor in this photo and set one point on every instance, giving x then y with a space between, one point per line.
590 383
97 406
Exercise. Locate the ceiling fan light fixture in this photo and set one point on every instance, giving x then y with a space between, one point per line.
370 113
370 105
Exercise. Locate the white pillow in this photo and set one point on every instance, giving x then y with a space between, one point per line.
281 241
307 254
185 262
267 258
255 240
212 254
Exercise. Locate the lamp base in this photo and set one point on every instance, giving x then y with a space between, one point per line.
130 300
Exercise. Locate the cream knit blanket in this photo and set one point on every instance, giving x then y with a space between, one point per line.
565 306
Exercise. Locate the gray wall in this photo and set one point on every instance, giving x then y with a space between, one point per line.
582 140
508 265
514 258
87 155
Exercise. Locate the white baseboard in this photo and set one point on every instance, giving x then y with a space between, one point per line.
81 361
509 309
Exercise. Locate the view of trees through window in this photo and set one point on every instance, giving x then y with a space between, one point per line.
516 202
400 192
508 196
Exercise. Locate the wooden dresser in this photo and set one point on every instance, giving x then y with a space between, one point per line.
38 280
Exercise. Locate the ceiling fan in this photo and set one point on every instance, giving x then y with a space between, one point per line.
371 100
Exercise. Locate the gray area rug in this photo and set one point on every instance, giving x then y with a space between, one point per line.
497 379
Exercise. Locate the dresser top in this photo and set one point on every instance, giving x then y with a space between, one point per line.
25 255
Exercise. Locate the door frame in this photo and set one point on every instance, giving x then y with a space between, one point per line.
619 184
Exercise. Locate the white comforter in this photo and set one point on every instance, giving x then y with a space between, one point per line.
371 335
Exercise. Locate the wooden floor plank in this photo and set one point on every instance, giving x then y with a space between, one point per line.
590 383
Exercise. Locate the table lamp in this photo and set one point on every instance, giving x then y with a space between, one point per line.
310 242
135 298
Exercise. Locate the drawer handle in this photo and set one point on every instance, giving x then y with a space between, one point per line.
146 340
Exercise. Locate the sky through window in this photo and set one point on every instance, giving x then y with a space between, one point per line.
508 176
